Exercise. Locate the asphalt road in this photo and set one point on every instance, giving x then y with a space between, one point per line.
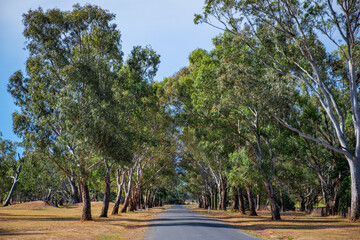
179 223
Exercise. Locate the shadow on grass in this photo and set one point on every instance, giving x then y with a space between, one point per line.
4 233
38 218
259 227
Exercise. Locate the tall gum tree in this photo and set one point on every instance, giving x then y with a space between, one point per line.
284 35
71 71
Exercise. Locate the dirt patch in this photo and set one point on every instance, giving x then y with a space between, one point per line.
35 205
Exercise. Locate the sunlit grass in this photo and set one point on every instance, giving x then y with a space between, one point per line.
64 223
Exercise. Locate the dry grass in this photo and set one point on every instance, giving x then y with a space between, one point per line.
292 226
40 221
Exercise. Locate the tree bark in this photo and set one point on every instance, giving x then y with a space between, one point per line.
223 194
86 212
203 200
251 201
118 196
16 179
153 201
241 201
106 200
126 203
215 199
235 199
302 204
132 201
355 188
282 201
258 202
335 204
74 191
275 210
128 192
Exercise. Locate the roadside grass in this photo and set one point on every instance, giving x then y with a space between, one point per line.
46 222
294 225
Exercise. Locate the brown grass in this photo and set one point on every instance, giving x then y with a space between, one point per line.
292 226
38 220
35 205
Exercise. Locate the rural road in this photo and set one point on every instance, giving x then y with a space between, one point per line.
179 223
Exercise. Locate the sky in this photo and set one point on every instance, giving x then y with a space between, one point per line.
166 25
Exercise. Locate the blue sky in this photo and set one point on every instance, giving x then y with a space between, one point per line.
166 25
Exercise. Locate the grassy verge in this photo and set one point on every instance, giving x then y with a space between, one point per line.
292 226
64 223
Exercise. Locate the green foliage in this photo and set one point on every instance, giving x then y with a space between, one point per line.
345 194
8 165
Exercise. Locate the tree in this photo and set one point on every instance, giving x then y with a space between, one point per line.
72 67
282 35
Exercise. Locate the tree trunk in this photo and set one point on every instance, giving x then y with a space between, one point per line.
282 201
208 196
128 192
235 199
86 212
118 196
355 188
16 179
152 193
212 200
258 202
74 191
241 201
106 200
147 201
80 195
219 196
48 197
203 200
302 204
215 199
132 201
154 203
251 201
325 197
126 203
335 204
309 205
275 210
223 194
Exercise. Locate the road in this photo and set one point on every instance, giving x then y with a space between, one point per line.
179 223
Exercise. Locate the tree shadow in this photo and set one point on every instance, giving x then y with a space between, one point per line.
4 233
260 227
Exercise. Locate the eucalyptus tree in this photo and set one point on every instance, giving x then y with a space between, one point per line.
134 98
329 166
289 38
228 102
71 71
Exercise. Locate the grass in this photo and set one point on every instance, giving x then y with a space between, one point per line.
46 222
293 225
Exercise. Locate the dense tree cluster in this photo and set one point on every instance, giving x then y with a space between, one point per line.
269 118
90 113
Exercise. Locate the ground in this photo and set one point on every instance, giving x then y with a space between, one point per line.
37 220
294 225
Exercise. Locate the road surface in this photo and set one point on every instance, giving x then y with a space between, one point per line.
179 223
